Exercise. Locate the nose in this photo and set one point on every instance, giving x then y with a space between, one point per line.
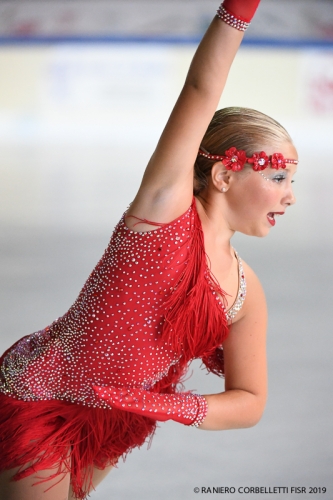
290 197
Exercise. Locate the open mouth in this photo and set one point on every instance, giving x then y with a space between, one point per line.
271 217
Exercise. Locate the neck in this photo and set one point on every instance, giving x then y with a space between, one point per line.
212 212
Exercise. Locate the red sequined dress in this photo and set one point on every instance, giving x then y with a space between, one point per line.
149 307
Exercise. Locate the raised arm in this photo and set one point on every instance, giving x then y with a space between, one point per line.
167 186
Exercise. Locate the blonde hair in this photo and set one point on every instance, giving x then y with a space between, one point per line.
243 128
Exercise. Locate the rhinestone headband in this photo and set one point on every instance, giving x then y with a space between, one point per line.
235 160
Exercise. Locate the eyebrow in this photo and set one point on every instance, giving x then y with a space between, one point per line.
287 170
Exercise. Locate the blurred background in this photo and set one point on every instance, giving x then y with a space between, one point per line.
85 90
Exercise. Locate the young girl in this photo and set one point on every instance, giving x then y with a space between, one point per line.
83 392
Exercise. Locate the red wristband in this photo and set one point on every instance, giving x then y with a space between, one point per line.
242 9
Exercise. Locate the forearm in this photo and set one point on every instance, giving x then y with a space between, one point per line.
233 409
212 61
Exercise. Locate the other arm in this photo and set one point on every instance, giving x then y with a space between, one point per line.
243 402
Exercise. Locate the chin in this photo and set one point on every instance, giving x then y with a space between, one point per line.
262 233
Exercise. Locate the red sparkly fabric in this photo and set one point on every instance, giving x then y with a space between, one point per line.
149 307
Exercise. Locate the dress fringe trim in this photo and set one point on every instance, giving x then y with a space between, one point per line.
195 320
66 437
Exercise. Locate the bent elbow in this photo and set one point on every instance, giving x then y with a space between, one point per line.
255 419
255 415
253 409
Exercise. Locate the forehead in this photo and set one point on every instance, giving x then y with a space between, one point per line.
287 149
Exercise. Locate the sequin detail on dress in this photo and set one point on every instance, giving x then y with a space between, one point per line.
124 329
112 333
241 294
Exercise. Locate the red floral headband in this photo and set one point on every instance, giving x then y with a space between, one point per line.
235 160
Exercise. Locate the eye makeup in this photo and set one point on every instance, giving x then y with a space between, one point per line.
277 177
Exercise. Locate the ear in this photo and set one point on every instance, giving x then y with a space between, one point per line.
221 177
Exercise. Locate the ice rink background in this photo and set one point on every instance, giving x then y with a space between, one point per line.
77 127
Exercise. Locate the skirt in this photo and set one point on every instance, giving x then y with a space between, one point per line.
46 433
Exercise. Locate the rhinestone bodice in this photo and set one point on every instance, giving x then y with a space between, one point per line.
112 333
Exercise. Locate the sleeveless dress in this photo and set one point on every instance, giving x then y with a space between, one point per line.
147 310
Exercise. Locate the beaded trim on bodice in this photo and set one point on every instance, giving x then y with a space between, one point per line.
241 294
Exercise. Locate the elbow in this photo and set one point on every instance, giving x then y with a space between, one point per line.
254 419
196 87
192 83
255 413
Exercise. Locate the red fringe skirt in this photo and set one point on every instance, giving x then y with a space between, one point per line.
45 432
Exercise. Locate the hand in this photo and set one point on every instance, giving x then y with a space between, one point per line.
185 408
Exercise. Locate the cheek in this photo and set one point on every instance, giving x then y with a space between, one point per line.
253 201
270 194
266 197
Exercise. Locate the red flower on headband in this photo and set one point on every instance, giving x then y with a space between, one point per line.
278 161
259 161
234 159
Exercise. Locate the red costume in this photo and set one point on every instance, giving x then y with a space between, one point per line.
149 307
